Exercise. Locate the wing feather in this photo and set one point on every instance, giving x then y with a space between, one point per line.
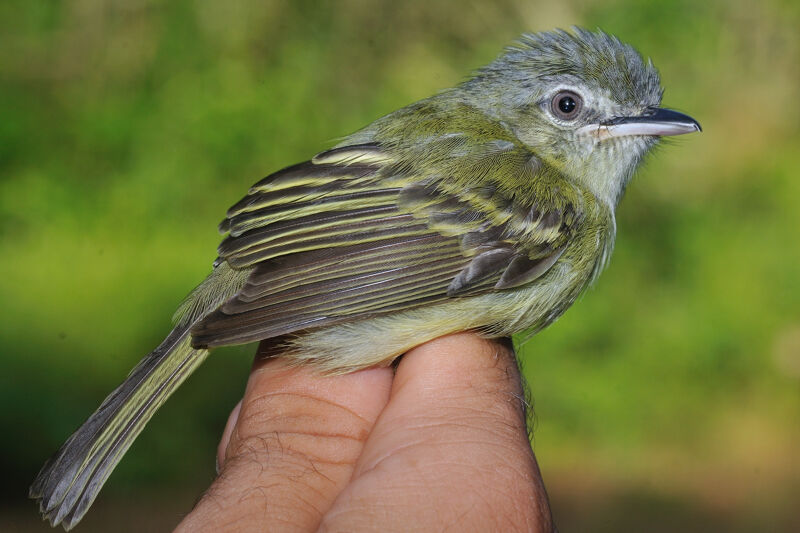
357 232
330 301
370 261
397 226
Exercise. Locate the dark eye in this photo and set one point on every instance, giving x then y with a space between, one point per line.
566 105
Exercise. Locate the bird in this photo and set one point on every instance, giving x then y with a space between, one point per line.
489 206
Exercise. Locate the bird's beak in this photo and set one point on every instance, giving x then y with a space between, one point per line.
656 121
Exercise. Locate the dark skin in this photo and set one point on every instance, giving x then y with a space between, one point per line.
439 442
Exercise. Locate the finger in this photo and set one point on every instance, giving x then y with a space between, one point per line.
452 445
226 435
292 449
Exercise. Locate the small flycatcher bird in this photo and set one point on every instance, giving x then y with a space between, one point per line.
487 207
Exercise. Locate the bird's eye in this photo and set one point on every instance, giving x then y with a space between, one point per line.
566 105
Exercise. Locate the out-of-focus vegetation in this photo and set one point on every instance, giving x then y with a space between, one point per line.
667 399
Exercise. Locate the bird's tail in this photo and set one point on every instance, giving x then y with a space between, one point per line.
70 480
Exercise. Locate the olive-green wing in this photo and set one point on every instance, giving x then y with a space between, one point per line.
357 231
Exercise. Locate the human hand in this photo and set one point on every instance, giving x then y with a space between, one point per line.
438 443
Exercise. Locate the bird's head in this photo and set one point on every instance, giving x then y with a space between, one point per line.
584 102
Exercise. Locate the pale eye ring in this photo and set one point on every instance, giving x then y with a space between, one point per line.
566 105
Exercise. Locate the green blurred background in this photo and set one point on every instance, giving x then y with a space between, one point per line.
667 399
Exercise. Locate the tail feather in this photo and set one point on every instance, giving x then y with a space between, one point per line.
69 482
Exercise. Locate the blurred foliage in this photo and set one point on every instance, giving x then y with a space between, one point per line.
670 394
